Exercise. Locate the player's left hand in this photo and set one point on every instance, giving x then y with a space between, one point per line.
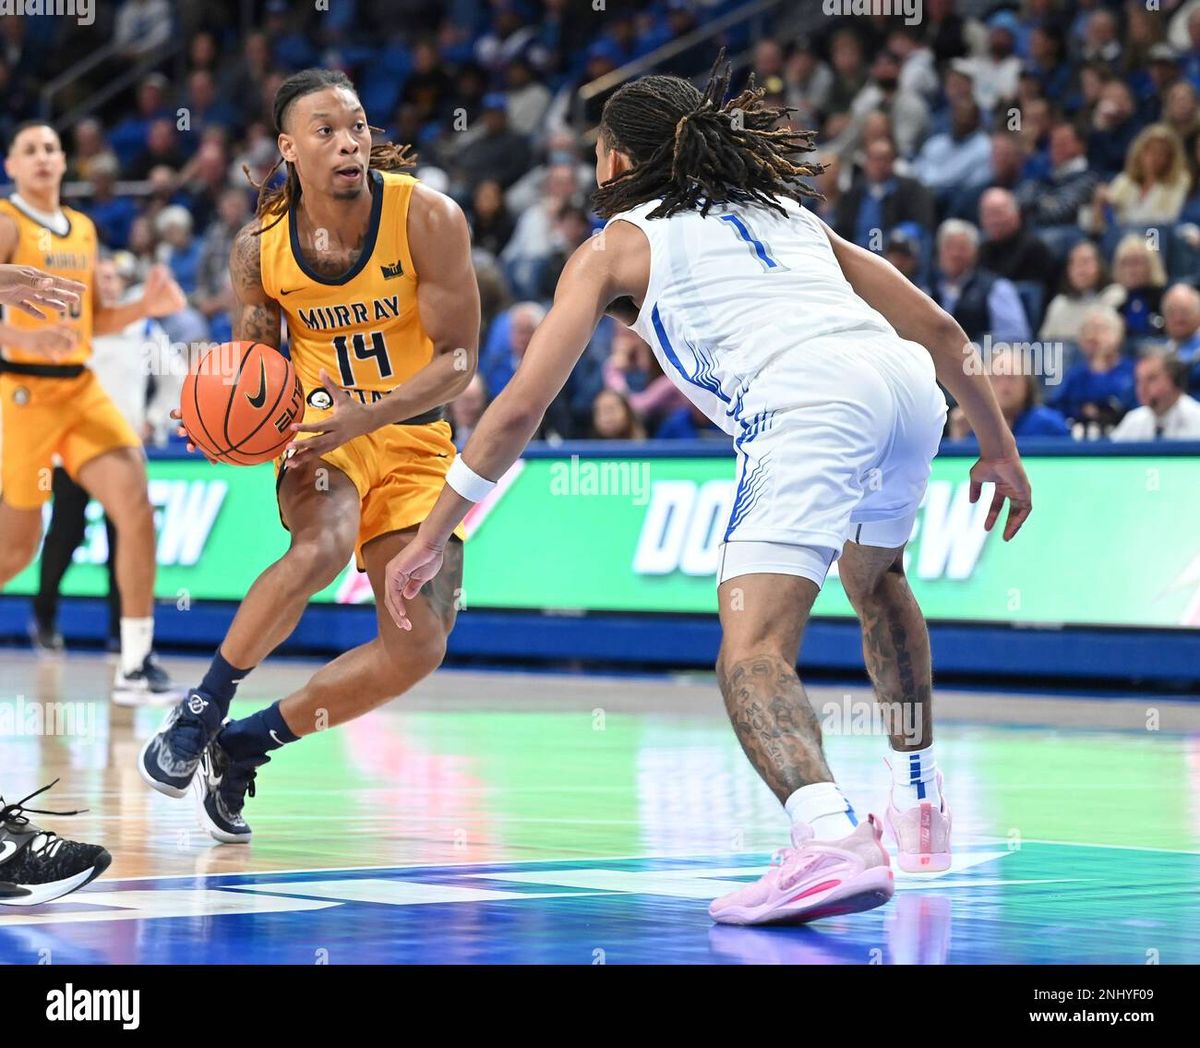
161 295
407 572
34 292
349 419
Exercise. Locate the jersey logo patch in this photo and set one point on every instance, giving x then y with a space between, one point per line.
396 269
320 399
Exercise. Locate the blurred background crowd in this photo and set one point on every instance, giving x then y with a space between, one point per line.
1034 166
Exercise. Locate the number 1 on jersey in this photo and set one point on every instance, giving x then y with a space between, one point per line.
358 342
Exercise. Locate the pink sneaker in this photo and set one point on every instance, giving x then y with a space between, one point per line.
922 835
814 879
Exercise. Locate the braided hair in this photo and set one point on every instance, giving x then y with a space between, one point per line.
691 149
274 201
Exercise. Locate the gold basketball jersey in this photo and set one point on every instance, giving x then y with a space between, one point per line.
363 327
71 255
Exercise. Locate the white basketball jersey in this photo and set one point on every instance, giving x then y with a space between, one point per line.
734 295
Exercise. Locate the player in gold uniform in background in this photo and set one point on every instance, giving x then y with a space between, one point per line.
52 405
373 273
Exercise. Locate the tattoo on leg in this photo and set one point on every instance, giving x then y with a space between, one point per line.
896 651
443 591
774 722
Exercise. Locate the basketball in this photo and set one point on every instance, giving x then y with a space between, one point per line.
239 401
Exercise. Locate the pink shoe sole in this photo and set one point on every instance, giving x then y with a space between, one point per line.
869 889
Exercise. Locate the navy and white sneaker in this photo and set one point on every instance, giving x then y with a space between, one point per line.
220 791
37 865
47 642
148 685
170 758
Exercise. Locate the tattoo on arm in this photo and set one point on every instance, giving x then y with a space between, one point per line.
256 317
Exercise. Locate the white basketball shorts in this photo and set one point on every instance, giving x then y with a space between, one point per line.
842 452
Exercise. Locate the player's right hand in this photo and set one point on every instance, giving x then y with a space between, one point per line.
1008 475
180 431
54 342
34 292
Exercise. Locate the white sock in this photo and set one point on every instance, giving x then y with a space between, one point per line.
137 638
914 778
823 807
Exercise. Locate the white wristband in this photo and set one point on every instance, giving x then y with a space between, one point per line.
469 484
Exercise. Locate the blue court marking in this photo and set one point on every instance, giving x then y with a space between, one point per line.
1041 904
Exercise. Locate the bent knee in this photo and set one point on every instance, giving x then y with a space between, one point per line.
738 661
415 657
313 565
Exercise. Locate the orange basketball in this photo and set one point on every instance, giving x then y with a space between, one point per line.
239 402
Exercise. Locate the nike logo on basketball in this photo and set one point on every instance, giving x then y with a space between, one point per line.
261 398
7 851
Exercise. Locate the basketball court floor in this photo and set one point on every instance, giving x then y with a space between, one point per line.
554 818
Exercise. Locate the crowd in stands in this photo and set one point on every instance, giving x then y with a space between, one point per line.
1034 166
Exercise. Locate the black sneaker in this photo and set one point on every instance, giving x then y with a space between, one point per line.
169 759
37 865
149 685
220 792
47 641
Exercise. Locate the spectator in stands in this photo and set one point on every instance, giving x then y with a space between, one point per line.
918 74
571 229
614 419
829 184
880 199
1005 165
562 149
907 110
849 70
128 137
1139 279
1150 191
491 224
1181 322
500 153
1055 198
428 86
142 26
1181 113
946 30
983 303
904 251
467 409
178 249
1047 61
1010 250
242 84
1098 389
1114 127
531 241
204 109
162 147
214 292
528 98
499 363
1166 412
1019 395
1085 284
112 214
1102 40
809 84
632 370
994 74
956 158
89 146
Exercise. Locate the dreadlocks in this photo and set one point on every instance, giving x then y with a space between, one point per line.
692 150
275 201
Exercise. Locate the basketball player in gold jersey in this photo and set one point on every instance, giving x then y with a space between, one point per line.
52 404
373 273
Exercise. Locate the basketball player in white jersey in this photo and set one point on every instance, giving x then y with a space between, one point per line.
820 360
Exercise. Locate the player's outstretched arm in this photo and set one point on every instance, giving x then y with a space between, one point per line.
161 296
916 317
585 289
